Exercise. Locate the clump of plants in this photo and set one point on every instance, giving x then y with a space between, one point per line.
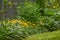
43 18
29 11
32 18
14 31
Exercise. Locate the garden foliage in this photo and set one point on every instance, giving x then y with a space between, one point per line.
32 18
29 11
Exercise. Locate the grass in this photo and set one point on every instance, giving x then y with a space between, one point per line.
45 36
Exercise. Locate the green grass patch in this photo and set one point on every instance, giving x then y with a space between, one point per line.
45 36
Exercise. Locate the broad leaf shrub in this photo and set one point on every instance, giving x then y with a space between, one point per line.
20 29
9 31
51 17
12 30
29 11
50 23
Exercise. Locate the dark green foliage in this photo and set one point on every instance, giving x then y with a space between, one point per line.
41 4
29 11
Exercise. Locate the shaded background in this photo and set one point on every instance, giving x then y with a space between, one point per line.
10 12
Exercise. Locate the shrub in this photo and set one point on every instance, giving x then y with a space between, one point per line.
9 31
50 23
15 31
50 11
29 11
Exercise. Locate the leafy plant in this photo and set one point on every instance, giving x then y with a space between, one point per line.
15 31
29 11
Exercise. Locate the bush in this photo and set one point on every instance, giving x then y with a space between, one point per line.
15 31
50 23
10 32
29 11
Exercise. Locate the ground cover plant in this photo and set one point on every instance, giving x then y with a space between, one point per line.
45 36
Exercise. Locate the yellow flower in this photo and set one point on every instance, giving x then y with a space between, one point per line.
54 6
18 20
13 21
24 23
21 22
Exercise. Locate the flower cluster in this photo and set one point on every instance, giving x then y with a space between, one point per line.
21 22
